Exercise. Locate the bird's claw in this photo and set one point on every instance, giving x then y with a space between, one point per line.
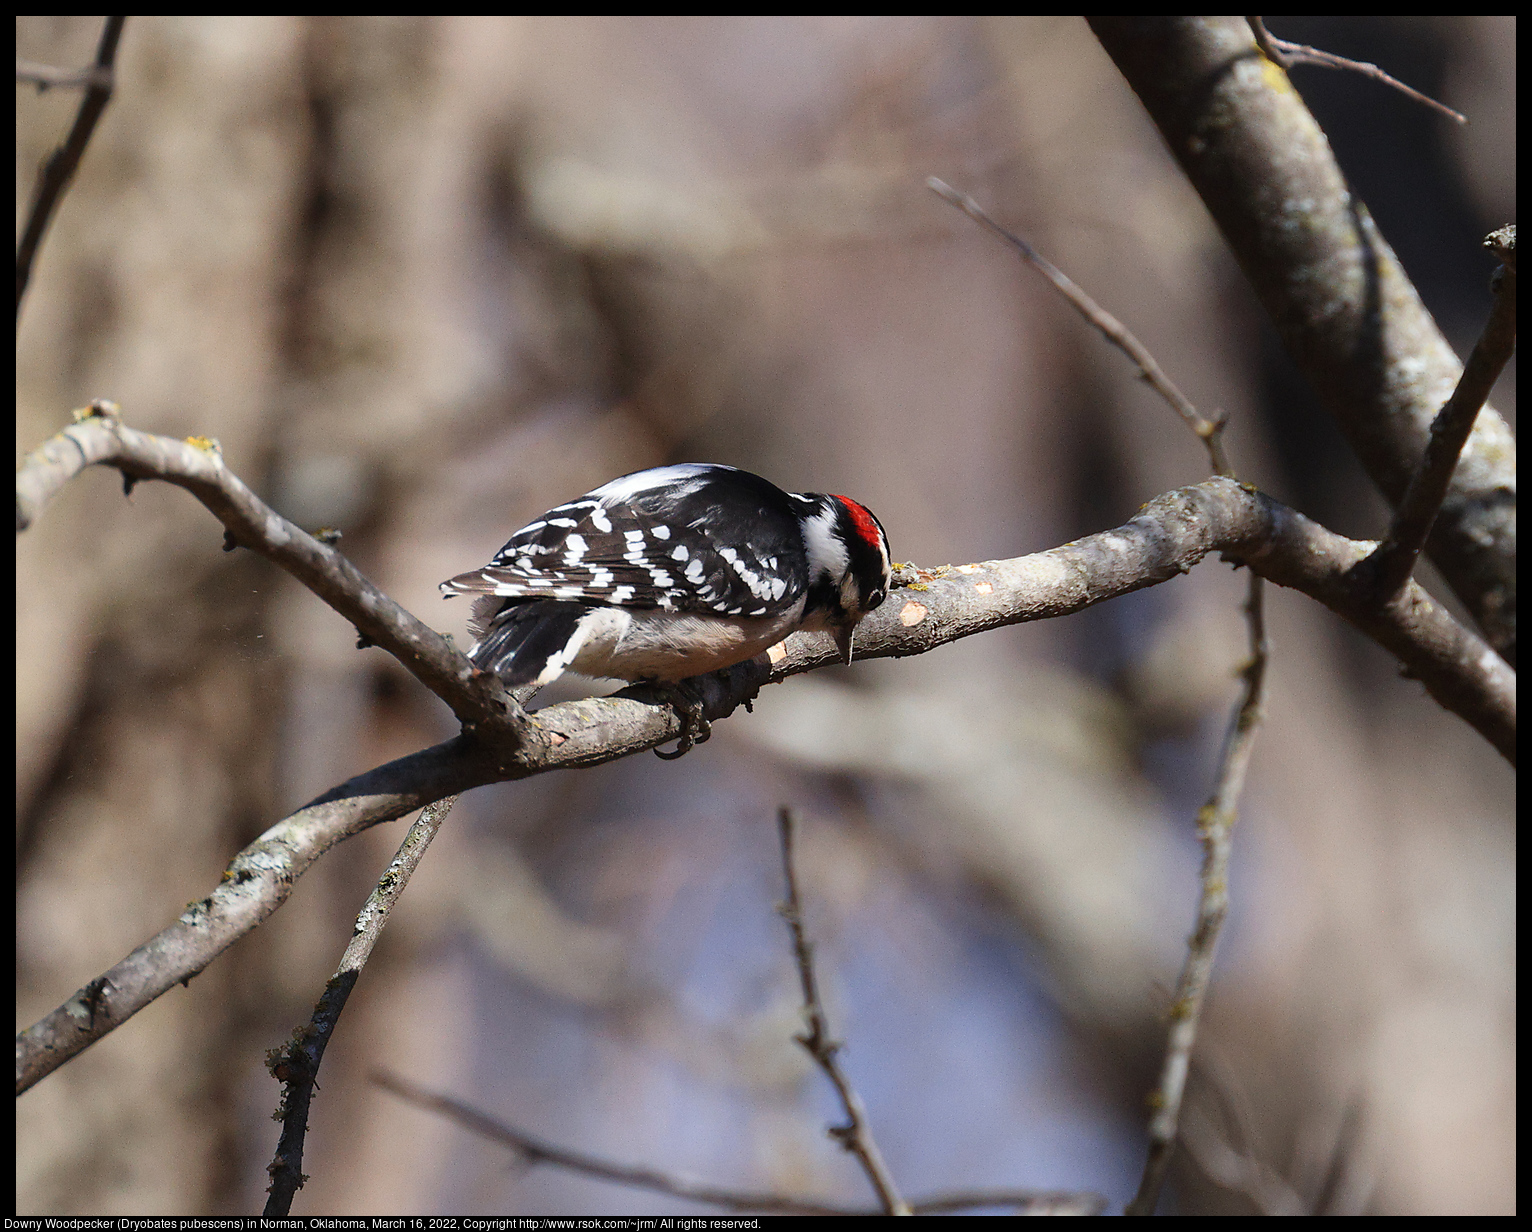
695 727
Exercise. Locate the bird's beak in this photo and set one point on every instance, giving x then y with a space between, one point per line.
843 641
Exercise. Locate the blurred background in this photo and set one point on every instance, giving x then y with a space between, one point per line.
424 278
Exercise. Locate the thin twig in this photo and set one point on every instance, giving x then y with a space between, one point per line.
60 167
1280 51
1217 817
1389 568
46 77
1209 431
1225 1165
1215 824
536 1151
856 1134
296 1064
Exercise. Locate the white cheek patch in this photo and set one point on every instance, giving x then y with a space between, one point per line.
826 552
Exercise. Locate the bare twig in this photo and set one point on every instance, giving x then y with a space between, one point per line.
536 1151
296 1064
60 167
46 77
855 1135
1387 569
1217 816
1327 1173
1020 1202
1209 431
1280 51
1215 823
1241 1171
1216 820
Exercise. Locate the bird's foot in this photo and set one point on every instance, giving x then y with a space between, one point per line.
695 727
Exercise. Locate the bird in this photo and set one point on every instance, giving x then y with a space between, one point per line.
672 572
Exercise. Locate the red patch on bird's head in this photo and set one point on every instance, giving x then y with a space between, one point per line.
861 517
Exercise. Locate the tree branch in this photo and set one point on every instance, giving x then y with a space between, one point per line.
928 608
1346 311
1215 824
1208 431
296 1064
99 438
856 1134
60 167
1287 54
536 1151
256 882
1394 561
46 77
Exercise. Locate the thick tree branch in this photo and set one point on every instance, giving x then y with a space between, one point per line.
1170 535
1343 306
256 882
